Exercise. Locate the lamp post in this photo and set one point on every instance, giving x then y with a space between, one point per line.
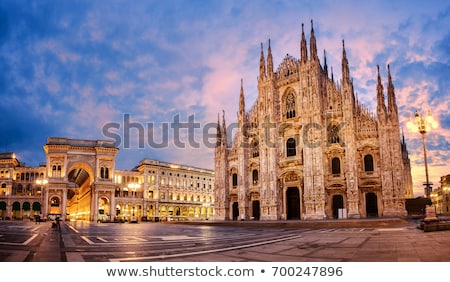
423 125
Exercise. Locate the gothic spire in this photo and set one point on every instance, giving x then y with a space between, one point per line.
332 75
219 132
269 62
403 137
392 105
325 66
345 69
262 65
312 44
381 106
224 129
303 51
242 99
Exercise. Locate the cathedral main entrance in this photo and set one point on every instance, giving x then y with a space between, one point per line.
255 210
292 203
338 203
371 205
235 210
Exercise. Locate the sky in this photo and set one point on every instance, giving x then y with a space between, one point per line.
133 71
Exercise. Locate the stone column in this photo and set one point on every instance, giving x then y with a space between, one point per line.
64 204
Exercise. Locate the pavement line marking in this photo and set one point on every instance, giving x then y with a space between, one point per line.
87 240
73 229
29 240
101 239
391 229
20 244
207 251
139 239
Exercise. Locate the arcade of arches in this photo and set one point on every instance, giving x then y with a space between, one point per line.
79 181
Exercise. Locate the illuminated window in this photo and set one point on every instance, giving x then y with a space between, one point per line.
255 176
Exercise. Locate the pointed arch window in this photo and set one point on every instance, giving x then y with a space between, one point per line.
290 105
368 163
255 149
336 166
255 176
334 135
291 149
235 179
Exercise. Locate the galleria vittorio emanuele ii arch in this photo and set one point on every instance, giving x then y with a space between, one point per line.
79 181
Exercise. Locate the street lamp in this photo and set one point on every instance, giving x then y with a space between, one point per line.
423 125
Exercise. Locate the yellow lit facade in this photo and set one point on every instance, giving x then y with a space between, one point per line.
440 197
79 182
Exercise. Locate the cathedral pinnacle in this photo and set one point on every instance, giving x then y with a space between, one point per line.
303 51
224 129
312 44
325 66
392 104
269 61
242 100
345 69
262 65
219 132
381 106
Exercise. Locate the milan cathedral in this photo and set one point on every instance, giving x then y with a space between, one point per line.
308 149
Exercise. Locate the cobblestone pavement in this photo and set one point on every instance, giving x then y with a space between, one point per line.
383 240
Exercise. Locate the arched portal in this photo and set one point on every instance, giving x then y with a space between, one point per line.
371 205
55 207
36 206
104 214
2 210
79 173
235 210
292 203
16 210
26 209
338 203
256 210
79 198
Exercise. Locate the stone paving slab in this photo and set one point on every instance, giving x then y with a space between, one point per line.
397 242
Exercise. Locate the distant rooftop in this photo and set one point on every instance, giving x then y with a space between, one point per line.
8 155
80 142
172 165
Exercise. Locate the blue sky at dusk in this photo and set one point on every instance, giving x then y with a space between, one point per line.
68 68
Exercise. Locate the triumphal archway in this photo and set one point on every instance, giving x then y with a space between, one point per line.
80 178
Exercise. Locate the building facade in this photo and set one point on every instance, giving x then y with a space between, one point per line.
440 197
79 181
308 149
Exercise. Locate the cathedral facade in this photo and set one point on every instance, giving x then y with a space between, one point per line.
308 149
